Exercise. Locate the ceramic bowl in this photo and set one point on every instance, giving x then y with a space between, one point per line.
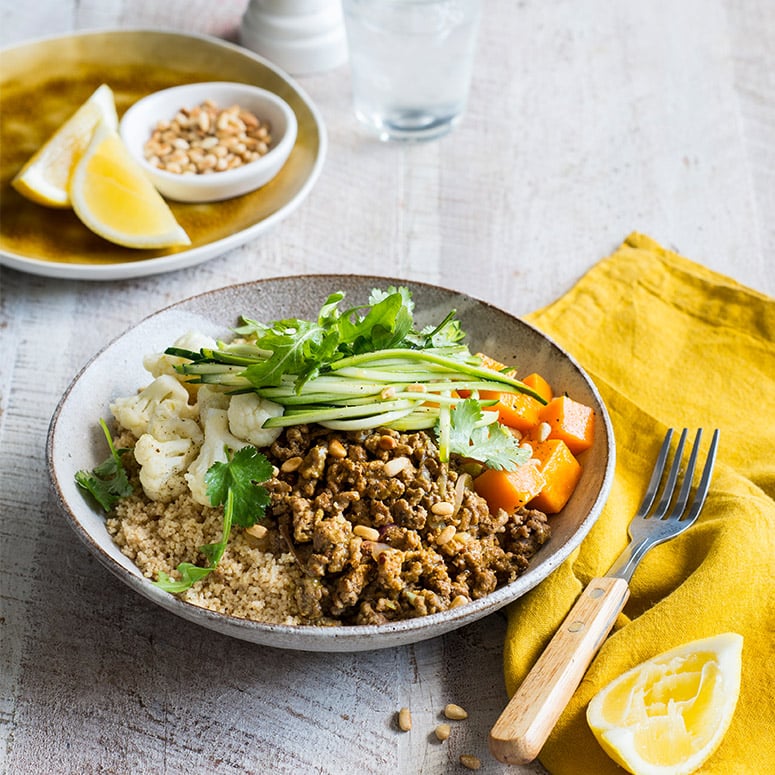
75 441
140 119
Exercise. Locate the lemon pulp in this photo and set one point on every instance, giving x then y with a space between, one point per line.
45 177
112 196
670 713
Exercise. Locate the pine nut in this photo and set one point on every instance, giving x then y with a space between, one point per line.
526 446
291 464
205 127
377 548
455 712
442 509
442 732
470 762
366 532
336 449
416 388
395 466
446 535
257 531
404 719
543 431
387 442
458 600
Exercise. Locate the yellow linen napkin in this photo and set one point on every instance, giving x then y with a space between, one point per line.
671 344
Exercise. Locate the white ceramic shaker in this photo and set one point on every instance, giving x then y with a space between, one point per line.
300 36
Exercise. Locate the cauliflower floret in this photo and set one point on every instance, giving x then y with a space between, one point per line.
247 413
161 363
166 427
165 452
216 439
163 464
164 395
210 397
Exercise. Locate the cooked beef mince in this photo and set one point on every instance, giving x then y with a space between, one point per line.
417 550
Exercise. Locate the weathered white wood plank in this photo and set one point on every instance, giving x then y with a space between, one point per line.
586 121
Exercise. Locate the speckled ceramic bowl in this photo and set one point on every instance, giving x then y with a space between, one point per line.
117 370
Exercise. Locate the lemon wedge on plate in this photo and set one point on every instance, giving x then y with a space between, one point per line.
111 194
668 715
44 178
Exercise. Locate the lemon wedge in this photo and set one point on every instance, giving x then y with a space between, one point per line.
668 715
44 178
112 196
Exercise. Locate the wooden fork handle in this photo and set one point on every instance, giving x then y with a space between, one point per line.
522 729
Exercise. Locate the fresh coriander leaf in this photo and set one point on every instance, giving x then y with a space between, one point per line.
242 475
448 332
107 482
236 485
189 575
491 444
213 552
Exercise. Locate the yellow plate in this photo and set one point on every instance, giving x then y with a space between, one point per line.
45 81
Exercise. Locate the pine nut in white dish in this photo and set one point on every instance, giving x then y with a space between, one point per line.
195 138
205 142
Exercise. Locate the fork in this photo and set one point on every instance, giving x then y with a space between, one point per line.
522 728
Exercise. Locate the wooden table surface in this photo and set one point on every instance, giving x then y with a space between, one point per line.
587 120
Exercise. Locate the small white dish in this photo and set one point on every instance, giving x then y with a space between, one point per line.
139 121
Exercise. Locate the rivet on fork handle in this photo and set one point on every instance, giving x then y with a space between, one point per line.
520 732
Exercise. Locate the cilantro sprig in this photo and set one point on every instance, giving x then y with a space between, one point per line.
235 485
471 436
107 482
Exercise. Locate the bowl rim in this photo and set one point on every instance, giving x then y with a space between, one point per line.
277 153
347 638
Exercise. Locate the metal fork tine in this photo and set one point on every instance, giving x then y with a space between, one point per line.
686 486
656 476
672 477
648 530
704 485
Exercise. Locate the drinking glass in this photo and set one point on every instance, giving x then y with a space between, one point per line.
411 63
